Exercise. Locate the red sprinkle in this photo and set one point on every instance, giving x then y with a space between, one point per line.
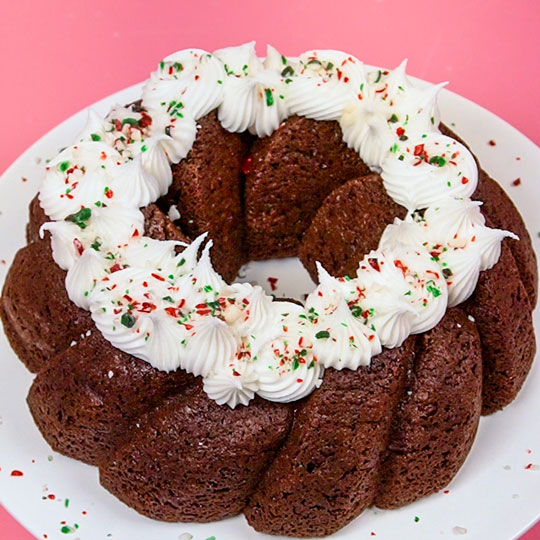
78 246
418 149
492 142
400 131
247 165
51 496
158 277
374 264
17 473
464 180
273 283
109 194
516 182
116 267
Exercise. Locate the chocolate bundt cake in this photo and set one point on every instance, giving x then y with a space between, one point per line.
198 398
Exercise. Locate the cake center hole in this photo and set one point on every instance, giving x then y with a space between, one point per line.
282 278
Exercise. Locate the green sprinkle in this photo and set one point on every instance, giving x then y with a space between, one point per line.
287 71
379 75
96 244
168 299
431 288
130 121
220 81
95 137
182 262
161 64
296 364
283 60
66 503
128 320
269 97
393 119
437 160
144 148
416 519
81 217
64 166
322 334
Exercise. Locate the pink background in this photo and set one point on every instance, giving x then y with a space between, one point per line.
58 57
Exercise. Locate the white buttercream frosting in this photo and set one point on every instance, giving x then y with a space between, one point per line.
164 303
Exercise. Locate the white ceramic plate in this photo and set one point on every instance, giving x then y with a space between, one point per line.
496 494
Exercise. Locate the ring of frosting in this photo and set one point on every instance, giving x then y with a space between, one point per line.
175 311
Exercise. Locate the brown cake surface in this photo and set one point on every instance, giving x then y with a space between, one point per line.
502 312
193 460
436 422
348 225
39 319
207 191
326 473
112 390
288 176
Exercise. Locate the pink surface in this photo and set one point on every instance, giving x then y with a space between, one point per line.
58 57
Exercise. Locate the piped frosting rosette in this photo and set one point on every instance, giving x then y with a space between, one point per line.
162 302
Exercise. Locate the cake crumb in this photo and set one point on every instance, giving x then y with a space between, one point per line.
515 496
459 530
110 374
507 468
173 214
24 179
532 467
471 318
185 536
